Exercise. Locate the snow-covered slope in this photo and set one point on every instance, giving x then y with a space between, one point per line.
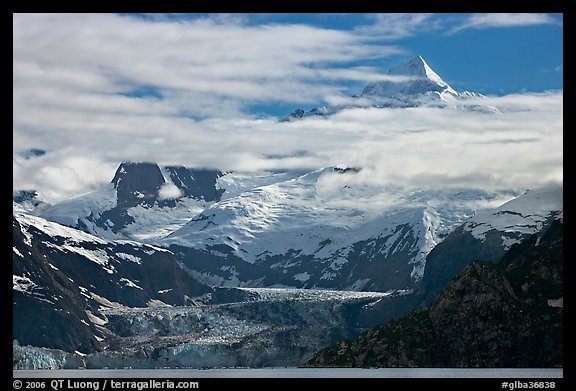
62 277
325 228
73 291
524 215
489 234
322 229
143 201
30 201
118 303
421 83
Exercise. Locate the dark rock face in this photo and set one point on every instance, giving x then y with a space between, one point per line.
135 184
196 183
490 315
24 195
296 114
139 184
52 312
452 255
460 248
56 279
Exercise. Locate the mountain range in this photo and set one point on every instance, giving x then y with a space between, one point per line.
168 265
287 230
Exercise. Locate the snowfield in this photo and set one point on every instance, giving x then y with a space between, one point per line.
280 219
323 214
523 215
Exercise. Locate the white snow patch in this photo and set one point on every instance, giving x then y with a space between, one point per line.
328 276
27 236
164 291
558 303
537 241
22 283
70 212
129 257
105 302
157 303
337 263
17 252
97 256
507 242
525 214
94 319
84 292
130 283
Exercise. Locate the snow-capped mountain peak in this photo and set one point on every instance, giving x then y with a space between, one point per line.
410 84
421 80
419 68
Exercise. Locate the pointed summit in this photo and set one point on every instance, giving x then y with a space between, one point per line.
418 80
411 84
419 68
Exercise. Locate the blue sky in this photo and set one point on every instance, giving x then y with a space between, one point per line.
495 58
492 54
209 89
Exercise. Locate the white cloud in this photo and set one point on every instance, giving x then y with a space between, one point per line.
399 25
169 191
195 63
431 147
428 147
73 76
494 20
62 174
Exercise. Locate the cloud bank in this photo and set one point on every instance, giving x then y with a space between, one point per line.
95 90
499 20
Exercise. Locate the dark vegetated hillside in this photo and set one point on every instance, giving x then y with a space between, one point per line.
508 314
